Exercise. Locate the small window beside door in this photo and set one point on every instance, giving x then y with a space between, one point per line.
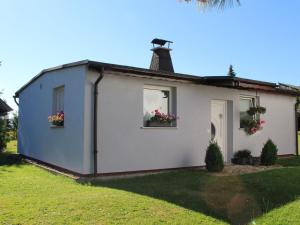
58 99
245 104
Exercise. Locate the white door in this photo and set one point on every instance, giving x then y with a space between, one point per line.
218 125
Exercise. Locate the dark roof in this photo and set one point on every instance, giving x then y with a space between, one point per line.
4 108
219 81
229 78
108 66
289 86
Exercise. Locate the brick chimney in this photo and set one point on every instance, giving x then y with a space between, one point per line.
161 58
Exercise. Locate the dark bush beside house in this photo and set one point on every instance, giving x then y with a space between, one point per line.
269 153
242 157
214 159
4 137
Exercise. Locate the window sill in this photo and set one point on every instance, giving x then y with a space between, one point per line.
53 126
172 128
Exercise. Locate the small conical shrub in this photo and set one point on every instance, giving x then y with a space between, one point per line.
214 159
269 153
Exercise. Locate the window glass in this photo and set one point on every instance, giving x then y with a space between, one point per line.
156 98
245 104
58 100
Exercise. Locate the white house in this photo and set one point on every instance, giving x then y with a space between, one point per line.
106 108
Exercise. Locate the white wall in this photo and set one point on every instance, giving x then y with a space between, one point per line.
125 146
280 126
122 142
59 146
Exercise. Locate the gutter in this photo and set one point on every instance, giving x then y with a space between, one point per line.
95 120
15 99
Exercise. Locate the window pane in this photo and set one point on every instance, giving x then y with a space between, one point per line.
155 99
245 104
58 100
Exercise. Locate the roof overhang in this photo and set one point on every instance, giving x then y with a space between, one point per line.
218 81
4 108
248 84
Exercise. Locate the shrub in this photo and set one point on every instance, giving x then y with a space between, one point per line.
242 157
269 153
4 137
242 154
214 159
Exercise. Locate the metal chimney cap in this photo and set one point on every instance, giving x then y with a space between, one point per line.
160 42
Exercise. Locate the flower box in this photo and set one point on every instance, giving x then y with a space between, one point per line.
57 124
57 120
161 119
158 124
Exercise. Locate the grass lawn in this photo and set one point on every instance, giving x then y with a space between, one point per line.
30 195
289 161
298 142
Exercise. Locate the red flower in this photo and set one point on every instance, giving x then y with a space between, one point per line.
162 117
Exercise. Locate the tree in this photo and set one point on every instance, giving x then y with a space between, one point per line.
221 4
14 125
4 136
231 72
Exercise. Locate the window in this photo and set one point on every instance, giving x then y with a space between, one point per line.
157 98
58 99
245 104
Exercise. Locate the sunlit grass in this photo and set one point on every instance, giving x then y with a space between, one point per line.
11 147
30 195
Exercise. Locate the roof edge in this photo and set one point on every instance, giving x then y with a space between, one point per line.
4 107
63 66
219 81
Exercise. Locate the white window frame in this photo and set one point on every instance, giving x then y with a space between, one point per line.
56 91
246 97
160 88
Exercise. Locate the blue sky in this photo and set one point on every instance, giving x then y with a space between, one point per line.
261 40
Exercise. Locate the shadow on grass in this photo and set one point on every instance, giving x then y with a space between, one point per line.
183 188
234 199
10 159
289 161
274 188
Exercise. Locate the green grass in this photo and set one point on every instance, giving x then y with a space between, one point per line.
298 142
11 147
285 215
289 161
30 195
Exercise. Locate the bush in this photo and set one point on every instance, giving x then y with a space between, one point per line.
269 153
214 159
242 154
4 137
242 157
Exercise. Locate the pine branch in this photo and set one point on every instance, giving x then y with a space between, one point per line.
220 4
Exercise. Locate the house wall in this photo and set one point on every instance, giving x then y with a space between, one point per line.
124 145
58 146
280 126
